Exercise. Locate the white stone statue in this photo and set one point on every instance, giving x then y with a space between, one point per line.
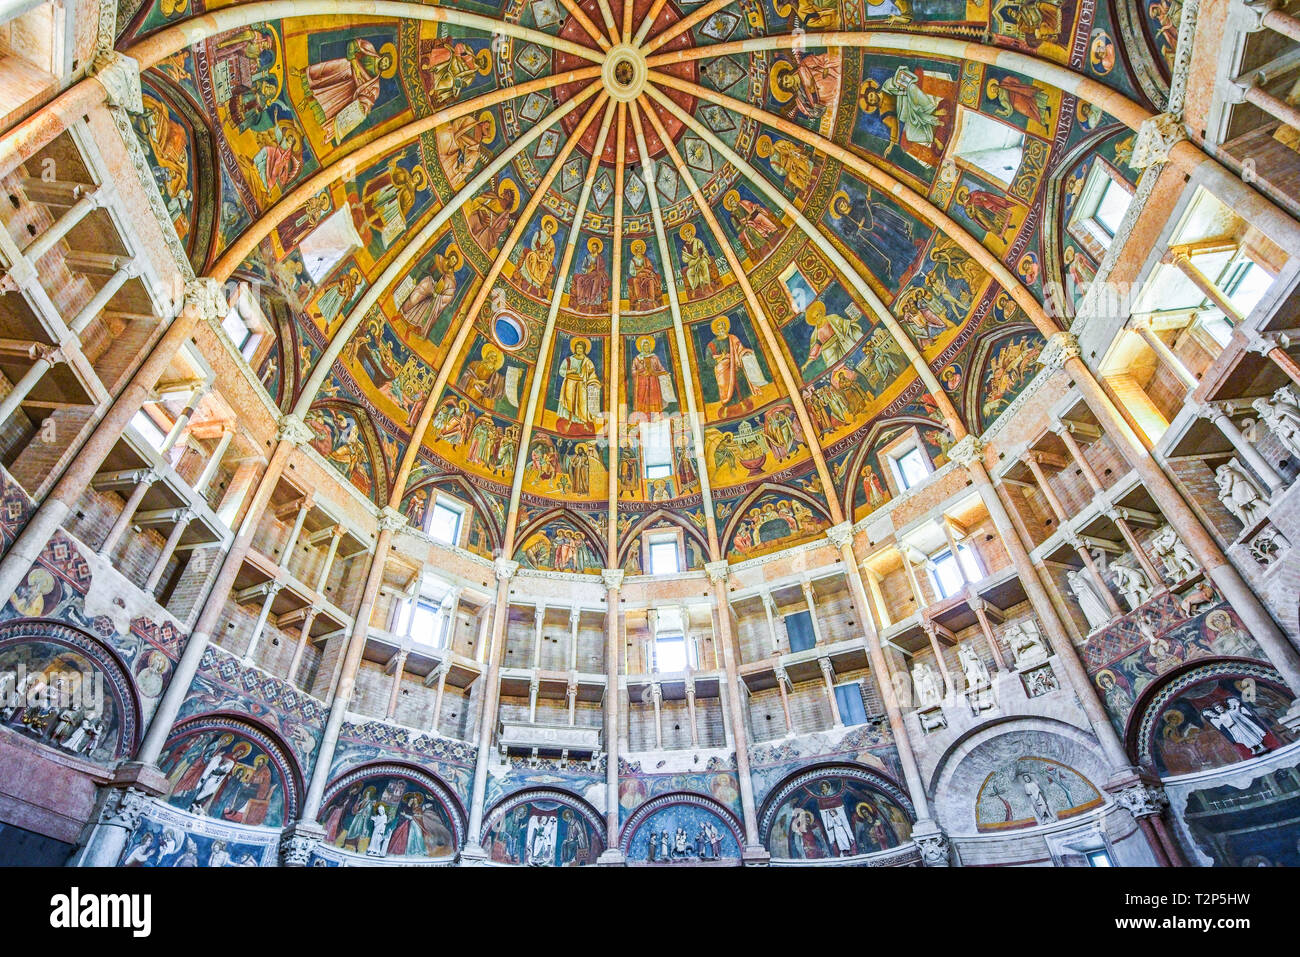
1238 491
972 665
1026 643
1090 603
1173 554
1132 584
1282 416
926 682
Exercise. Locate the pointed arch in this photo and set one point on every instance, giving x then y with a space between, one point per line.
347 438
763 490
867 448
998 377
654 519
535 545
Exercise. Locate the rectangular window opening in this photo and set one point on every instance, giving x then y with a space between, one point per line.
444 524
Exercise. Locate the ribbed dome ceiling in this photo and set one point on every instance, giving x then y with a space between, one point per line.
756 327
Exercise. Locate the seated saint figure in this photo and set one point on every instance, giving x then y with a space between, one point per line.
644 287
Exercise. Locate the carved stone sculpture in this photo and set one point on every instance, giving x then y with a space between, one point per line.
926 683
1026 644
1174 555
1132 584
1240 494
1282 416
972 665
1090 603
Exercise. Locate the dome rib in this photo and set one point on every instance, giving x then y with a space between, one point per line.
561 275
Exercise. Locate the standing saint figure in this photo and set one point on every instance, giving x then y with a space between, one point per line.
342 92
754 225
833 336
728 355
647 379
579 391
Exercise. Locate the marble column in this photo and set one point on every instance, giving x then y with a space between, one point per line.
769 609
395 689
1245 448
613 580
783 687
214 460
926 833
753 851
272 590
144 480
473 852
980 607
932 633
811 600
828 677
182 521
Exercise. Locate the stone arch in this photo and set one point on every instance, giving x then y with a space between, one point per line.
632 537
75 668
468 492
868 454
346 437
190 190
686 809
425 818
774 489
875 810
969 770
1021 345
1170 746
551 518
514 830
195 757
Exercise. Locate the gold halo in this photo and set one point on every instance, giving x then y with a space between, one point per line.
835 200
780 69
637 247
731 199
687 232
453 252
491 121
594 245
815 312
484 60
492 355
389 50
580 341
508 186
645 344
764 146
720 325
990 89
549 225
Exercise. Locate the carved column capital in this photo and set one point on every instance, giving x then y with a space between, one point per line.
932 843
1156 137
1060 346
391 520
294 430
966 452
123 807
205 295
718 571
505 569
119 74
612 577
1141 798
828 670
297 842
841 534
